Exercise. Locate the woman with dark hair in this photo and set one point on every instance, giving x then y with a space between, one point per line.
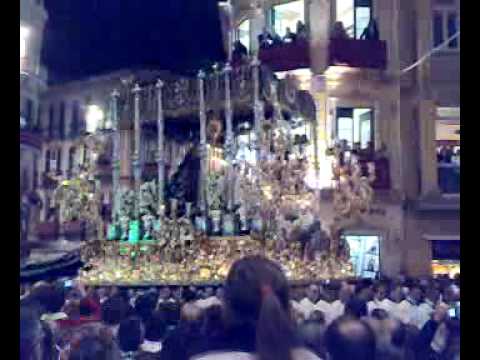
257 316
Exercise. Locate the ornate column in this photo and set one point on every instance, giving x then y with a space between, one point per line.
136 150
116 155
203 141
257 107
229 144
160 153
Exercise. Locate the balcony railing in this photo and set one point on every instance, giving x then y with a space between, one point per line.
31 137
286 56
358 53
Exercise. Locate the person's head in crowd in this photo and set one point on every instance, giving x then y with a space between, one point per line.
130 334
344 294
356 307
114 310
219 293
318 316
190 313
396 295
72 309
328 293
155 327
313 293
36 339
257 295
208 292
379 314
189 295
415 294
93 347
380 291
364 291
145 305
311 334
451 294
349 338
433 295
48 298
178 294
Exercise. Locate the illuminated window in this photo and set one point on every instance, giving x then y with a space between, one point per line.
445 25
286 16
244 33
355 126
355 16
23 41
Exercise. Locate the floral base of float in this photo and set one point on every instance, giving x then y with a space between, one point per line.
206 261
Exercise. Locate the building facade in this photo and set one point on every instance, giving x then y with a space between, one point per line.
409 113
33 82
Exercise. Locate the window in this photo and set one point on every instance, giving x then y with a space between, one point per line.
51 119
28 114
23 41
38 124
355 126
364 254
286 16
71 159
355 16
75 124
35 171
448 149
61 125
445 25
59 160
47 161
243 33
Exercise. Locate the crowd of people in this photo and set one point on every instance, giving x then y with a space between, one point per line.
255 314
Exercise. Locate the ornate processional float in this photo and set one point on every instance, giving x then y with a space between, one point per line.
255 204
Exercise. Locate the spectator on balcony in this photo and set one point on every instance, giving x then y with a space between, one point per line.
240 52
301 30
276 39
339 32
289 36
371 31
265 39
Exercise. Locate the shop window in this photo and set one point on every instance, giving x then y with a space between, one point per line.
364 254
355 126
445 25
243 33
446 257
355 16
287 16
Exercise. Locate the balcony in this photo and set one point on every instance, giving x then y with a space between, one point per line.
371 54
31 137
287 56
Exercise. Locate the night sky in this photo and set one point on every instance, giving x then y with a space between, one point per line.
91 37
